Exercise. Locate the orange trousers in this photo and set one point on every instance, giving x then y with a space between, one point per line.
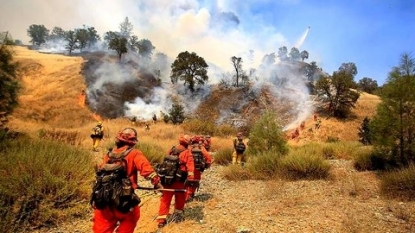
165 201
106 220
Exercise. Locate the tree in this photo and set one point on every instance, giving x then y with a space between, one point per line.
393 126
93 36
282 53
57 33
368 85
364 133
304 55
126 27
190 68
237 65
145 48
82 36
336 92
72 40
349 68
267 135
176 113
116 42
295 54
9 85
38 33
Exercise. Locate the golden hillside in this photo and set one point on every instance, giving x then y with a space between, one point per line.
52 84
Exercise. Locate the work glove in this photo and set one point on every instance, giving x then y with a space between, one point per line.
158 186
155 180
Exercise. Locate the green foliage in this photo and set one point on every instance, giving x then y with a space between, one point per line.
206 127
399 184
42 182
336 92
282 53
296 166
38 34
223 156
82 36
371 160
57 33
116 42
393 126
364 133
267 135
153 152
190 68
295 54
176 113
71 40
304 55
368 85
9 85
265 166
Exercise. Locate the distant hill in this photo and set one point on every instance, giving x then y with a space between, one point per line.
53 83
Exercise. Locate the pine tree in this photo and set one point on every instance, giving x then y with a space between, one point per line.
364 132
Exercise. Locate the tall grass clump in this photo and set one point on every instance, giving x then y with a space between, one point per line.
68 137
264 166
42 182
199 127
223 156
399 184
153 152
303 165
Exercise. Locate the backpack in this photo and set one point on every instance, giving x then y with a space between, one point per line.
97 132
240 146
169 170
113 187
198 158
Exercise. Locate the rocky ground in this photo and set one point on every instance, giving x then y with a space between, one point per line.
347 202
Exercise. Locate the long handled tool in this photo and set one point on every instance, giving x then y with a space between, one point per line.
162 189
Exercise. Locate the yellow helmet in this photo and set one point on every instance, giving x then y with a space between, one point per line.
99 123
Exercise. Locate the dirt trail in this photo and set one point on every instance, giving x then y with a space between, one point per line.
348 202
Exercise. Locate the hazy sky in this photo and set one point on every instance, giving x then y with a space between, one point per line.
371 33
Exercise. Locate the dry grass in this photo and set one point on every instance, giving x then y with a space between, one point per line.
49 101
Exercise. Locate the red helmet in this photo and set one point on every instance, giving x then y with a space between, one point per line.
184 139
196 139
128 135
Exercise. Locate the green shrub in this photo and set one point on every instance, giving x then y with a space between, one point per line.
264 166
296 166
267 135
223 156
42 181
153 152
399 184
199 127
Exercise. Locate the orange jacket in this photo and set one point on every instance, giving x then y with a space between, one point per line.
186 159
136 163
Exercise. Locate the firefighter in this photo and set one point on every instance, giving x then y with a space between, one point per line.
239 149
202 161
97 135
184 173
107 219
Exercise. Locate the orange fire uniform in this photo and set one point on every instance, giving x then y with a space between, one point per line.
186 165
190 190
105 221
